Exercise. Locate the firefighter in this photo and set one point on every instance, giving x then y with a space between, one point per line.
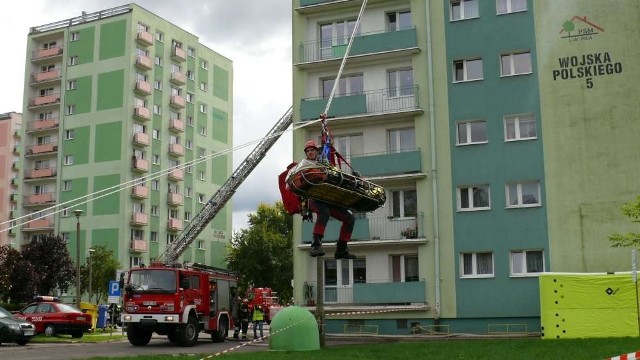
235 305
244 315
324 211
258 319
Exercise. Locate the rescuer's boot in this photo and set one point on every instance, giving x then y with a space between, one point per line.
316 246
342 251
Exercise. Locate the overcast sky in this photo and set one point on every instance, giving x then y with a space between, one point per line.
254 34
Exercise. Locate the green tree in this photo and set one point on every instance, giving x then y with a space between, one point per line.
263 253
50 257
631 210
9 264
104 266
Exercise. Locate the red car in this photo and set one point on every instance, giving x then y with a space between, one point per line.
52 317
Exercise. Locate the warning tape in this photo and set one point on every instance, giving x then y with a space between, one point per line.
629 356
364 312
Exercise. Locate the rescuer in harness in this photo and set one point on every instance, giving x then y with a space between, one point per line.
324 211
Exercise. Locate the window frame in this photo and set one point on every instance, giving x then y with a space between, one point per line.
468 124
513 65
524 271
517 129
462 9
509 7
465 70
519 193
474 265
471 197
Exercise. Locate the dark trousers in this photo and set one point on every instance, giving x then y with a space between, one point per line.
324 211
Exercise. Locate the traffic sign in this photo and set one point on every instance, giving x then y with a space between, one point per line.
113 292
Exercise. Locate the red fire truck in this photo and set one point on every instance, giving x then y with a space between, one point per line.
179 302
266 298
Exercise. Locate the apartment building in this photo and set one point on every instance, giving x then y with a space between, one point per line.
10 138
502 132
124 113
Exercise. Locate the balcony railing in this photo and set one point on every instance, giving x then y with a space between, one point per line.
178 78
141 139
144 62
45 124
138 245
176 125
39 199
372 292
45 76
40 173
176 175
143 87
178 54
142 113
139 219
388 163
370 227
174 199
140 192
176 149
42 148
38 224
140 165
41 100
144 38
383 101
176 101
174 225
380 42
46 53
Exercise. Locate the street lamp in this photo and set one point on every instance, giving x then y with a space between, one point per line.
91 251
78 212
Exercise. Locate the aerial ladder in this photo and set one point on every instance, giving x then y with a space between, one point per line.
224 193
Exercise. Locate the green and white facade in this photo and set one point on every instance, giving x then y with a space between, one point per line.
504 131
121 104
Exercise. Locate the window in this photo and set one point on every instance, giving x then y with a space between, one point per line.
189 169
65 212
402 140
523 194
155 159
191 52
404 268
171 238
404 203
138 208
73 60
202 130
71 109
174 115
525 262
519 127
476 264
473 198
467 70
472 132
203 108
334 36
187 216
398 20
159 36
201 244
190 75
65 237
204 64
188 191
135 261
510 6
201 199
401 83
68 159
75 36
189 120
155 133
154 210
155 184
143 27
68 134
188 144
463 9
158 60
203 86
201 175
153 236
157 84
202 152
157 110
72 85
190 97
348 85
67 185
137 234
515 64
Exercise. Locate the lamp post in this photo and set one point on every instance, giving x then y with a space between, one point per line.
78 212
91 251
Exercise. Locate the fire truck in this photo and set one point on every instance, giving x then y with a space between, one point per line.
266 298
182 300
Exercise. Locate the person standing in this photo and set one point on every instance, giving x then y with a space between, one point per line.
325 210
244 315
235 309
258 321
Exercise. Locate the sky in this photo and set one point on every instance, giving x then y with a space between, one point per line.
254 34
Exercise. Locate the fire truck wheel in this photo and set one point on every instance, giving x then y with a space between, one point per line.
222 332
172 336
138 336
188 335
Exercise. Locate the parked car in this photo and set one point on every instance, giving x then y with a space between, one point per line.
15 330
51 317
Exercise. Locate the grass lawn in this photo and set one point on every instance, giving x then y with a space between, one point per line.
98 336
442 349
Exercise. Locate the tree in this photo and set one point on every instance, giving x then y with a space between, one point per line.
54 267
104 266
9 260
631 210
263 253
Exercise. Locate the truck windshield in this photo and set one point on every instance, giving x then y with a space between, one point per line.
153 280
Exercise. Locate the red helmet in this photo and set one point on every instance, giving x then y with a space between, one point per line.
309 144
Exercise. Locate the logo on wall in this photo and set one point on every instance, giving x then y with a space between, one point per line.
579 29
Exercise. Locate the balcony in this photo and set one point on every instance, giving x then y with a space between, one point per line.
376 292
144 62
15 150
174 225
40 173
43 124
139 219
382 44
144 38
176 125
374 228
13 198
140 192
381 103
14 183
176 175
178 78
176 101
16 134
178 54
46 76
46 54
38 149
44 100
39 199
139 165
38 224
143 88
141 139
176 150
142 113
174 199
15 166
388 163
138 246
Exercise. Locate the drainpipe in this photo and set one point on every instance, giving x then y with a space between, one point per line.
434 177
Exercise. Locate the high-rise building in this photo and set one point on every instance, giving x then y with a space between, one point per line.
124 113
504 133
10 133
